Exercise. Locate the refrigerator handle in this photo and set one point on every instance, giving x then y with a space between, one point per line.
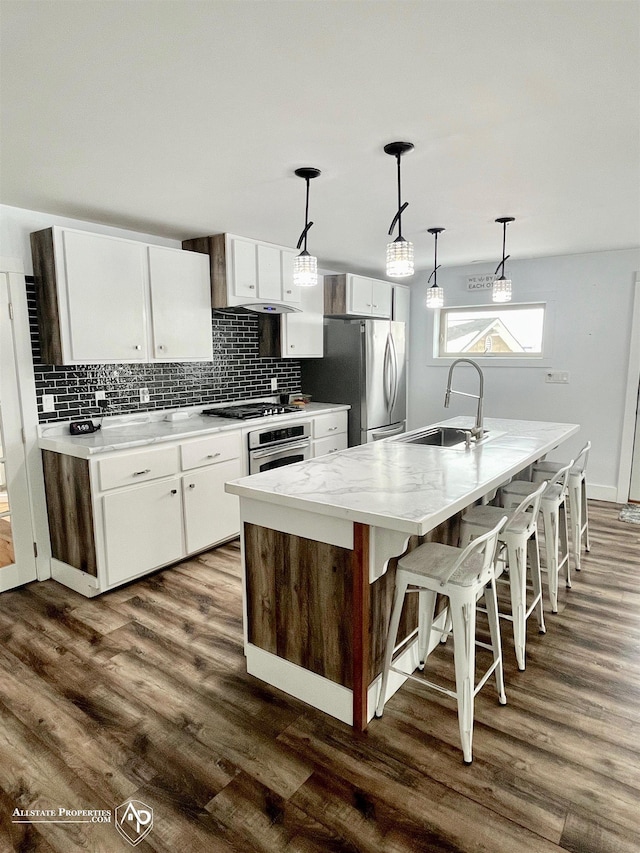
386 378
394 359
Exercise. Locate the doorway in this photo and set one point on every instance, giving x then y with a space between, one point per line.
20 467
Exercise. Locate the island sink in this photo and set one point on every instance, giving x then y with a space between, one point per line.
441 437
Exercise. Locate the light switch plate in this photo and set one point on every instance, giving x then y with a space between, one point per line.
557 377
144 395
274 383
48 403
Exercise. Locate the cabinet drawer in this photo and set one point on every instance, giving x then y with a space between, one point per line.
206 451
330 444
131 468
327 425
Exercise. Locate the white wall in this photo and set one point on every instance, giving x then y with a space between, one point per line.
591 297
17 224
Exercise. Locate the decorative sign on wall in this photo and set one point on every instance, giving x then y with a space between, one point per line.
480 282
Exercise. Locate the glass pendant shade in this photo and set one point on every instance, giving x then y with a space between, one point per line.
305 270
399 258
501 289
435 297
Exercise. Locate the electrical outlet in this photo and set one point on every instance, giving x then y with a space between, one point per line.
274 383
48 403
144 395
101 395
557 377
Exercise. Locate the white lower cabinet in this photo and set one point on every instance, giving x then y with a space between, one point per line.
210 514
330 433
142 529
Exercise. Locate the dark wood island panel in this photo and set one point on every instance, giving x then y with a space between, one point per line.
68 492
311 604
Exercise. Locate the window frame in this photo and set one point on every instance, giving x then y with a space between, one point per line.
542 359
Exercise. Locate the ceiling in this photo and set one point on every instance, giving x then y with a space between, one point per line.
187 117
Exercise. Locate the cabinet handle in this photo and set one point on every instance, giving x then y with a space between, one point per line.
334 450
174 491
212 455
160 346
192 485
252 287
332 429
292 346
137 346
368 305
287 291
138 473
374 305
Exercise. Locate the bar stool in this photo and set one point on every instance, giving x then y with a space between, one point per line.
464 576
578 511
520 537
554 518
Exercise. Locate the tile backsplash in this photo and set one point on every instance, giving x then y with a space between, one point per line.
236 372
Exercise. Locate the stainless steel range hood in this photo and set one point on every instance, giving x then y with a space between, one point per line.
259 308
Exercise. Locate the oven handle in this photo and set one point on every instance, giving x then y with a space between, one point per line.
277 448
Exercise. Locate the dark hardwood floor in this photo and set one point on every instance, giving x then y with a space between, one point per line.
142 693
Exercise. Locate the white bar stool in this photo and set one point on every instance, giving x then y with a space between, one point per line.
463 575
554 517
520 536
578 511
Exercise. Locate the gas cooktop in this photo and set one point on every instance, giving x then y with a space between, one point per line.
245 411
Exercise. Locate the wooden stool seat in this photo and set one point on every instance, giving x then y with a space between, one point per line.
519 536
554 518
463 576
578 510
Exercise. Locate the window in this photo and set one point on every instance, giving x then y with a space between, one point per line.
501 331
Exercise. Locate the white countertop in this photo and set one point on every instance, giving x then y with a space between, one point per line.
120 433
405 487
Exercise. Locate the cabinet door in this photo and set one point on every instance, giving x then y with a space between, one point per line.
359 295
380 298
269 273
180 305
401 304
290 292
244 272
210 514
105 296
142 529
303 335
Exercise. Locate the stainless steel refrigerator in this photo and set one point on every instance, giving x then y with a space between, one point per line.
364 365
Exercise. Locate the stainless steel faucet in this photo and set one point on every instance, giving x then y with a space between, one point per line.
477 430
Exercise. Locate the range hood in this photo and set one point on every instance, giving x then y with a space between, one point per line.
260 308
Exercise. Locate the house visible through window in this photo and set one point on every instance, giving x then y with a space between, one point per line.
506 331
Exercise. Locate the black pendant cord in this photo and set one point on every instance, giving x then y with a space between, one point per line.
307 224
504 257
436 265
308 172
401 207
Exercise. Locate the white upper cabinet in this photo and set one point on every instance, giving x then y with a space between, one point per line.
247 272
180 305
357 296
104 299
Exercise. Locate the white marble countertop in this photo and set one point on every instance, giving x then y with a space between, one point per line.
406 487
122 432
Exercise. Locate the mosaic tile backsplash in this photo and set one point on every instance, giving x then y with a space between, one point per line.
236 373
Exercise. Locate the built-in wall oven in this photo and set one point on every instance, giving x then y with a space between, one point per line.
276 446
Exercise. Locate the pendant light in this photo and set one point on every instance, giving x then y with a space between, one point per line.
435 294
305 266
502 285
400 252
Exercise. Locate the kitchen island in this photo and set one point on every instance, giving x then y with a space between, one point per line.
320 544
